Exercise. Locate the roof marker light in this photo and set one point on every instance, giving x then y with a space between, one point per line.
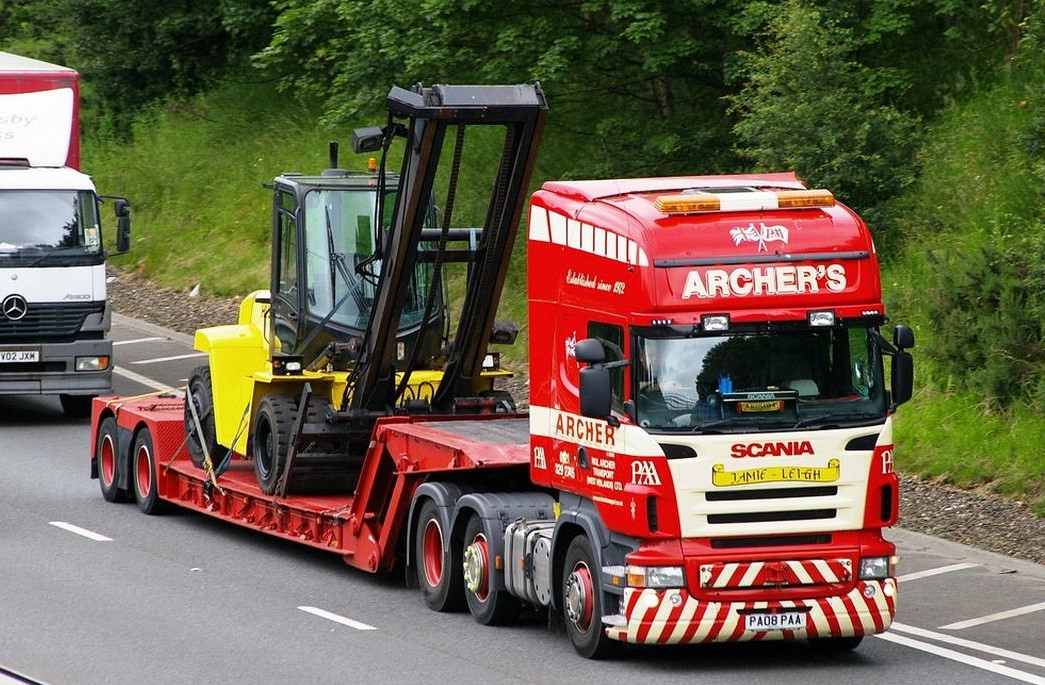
753 200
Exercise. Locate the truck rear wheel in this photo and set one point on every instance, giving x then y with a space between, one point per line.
145 476
272 427
76 406
489 604
582 600
439 570
108 456
203 401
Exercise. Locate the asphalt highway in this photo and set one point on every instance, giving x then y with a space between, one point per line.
94 592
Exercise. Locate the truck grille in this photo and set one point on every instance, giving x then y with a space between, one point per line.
48 322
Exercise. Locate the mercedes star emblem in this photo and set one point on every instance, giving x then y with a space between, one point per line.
14 307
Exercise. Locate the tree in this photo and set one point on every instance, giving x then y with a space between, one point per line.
807 105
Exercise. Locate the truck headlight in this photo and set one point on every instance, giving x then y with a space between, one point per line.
656 576
92 363
878 568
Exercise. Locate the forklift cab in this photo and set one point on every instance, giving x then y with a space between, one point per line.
326 268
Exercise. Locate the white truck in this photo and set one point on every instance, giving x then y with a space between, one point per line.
54 316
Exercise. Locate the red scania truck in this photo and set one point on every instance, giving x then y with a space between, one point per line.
708 452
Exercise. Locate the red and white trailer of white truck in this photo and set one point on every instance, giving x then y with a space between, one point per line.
708 454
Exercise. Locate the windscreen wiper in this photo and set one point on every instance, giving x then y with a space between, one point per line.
836 419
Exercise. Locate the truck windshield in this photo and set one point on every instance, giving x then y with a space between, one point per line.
339 266
37 224
767 381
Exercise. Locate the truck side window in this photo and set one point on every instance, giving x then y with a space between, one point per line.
612 338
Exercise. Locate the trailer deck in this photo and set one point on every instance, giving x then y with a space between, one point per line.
362 526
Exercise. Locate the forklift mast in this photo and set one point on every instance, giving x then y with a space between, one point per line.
424 116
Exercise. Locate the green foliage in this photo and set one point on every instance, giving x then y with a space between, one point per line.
194 175
808 106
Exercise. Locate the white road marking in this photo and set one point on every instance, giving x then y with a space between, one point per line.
157 360
968 644
337 619
1001 615
89 534
974 661
136 340
936 571
138 378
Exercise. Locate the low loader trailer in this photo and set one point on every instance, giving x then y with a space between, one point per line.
708 451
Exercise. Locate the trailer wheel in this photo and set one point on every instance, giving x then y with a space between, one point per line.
108 457
76 406
582 601
489 605
145 476
439 569
272 427
203 400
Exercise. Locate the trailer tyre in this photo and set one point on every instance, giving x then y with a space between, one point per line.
489 604
272 427
582 601
145 475
108 456
203 400
440 574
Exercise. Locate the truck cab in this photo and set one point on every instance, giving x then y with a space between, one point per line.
708 377
54 315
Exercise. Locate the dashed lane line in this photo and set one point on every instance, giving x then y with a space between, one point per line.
89 534
966 659
1000 616
936 571
336 618
138 378
176 357
117 343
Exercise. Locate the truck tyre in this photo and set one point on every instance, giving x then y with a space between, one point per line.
203 400
582 600
108 456
489 604
145 475
271 440
76 406
440 574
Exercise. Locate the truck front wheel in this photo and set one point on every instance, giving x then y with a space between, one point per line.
439 569
582 600
76 406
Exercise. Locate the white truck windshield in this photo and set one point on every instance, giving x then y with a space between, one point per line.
43 222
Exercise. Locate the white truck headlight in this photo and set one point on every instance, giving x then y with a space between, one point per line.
878 568
92 363
656 576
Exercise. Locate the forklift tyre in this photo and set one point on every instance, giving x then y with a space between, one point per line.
272 427
203 399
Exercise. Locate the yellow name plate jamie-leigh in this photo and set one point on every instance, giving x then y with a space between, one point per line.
775 474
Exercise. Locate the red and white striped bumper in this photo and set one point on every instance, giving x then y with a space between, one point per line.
675 617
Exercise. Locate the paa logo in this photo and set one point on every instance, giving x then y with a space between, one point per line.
762 235
644 473
571 346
